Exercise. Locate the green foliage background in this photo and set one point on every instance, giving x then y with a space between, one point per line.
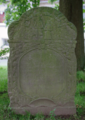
15 8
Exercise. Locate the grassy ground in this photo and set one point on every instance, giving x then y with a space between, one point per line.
3 79
7 114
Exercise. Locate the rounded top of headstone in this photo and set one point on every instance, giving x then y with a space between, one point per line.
41 23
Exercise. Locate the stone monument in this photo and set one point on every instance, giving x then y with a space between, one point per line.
42 63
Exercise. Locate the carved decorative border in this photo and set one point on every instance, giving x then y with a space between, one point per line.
17 47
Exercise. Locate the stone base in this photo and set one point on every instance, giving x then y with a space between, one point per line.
46 110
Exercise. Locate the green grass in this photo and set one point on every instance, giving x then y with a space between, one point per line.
80 76
7 114
3 79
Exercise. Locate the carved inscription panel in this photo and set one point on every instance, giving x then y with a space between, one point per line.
40 73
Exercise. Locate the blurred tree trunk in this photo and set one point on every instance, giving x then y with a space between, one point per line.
72 9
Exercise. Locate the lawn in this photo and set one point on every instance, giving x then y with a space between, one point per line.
7 114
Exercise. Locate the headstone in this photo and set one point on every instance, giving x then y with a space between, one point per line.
42 63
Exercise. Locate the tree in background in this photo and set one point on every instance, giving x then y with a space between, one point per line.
4 51
15 8
73 11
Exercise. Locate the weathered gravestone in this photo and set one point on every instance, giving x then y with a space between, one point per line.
42 63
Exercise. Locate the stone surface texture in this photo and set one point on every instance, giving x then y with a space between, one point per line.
42 63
